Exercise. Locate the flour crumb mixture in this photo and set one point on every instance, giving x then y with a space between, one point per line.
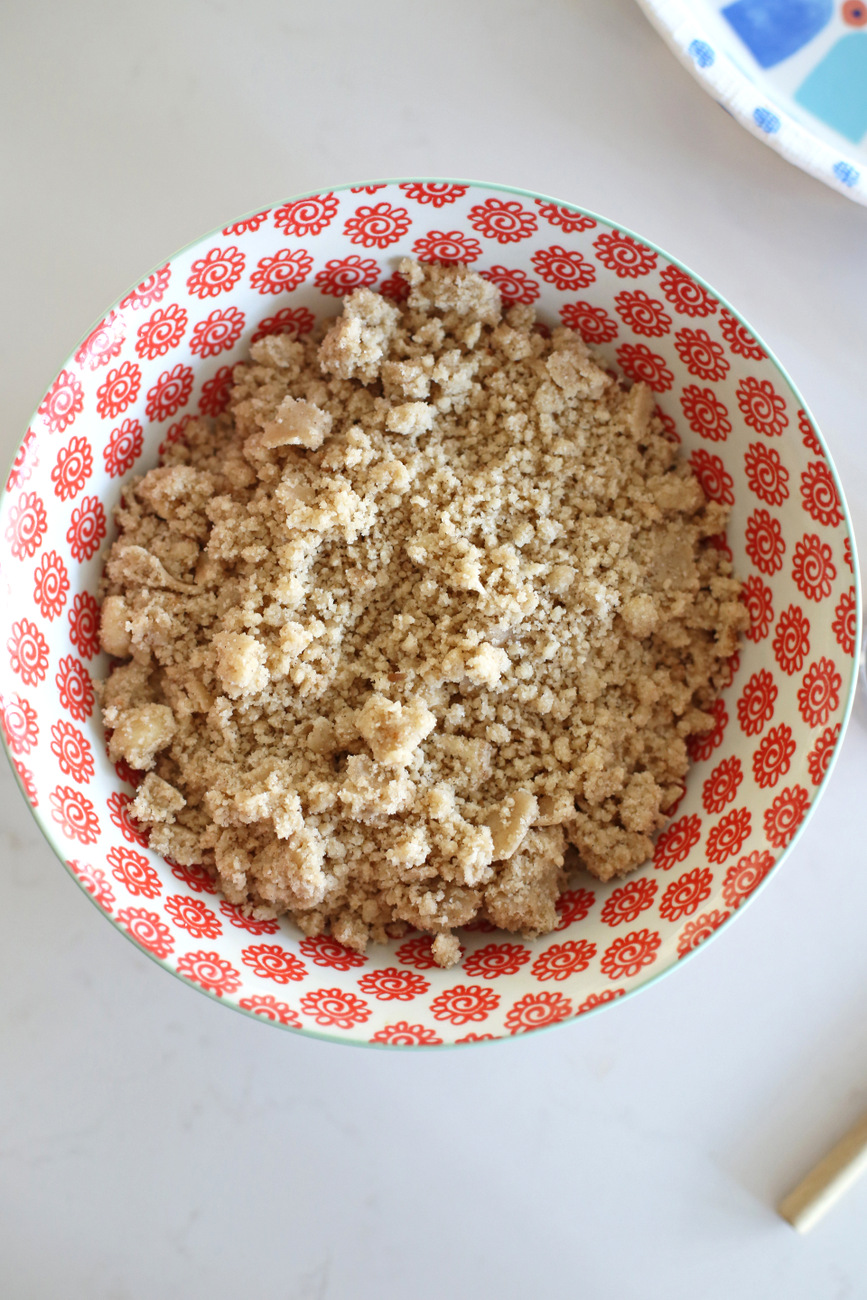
422 623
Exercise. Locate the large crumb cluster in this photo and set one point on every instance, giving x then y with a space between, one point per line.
429 604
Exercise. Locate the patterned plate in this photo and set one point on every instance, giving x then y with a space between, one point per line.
165 352
793 72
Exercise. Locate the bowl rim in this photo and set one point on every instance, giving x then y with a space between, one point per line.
336 1038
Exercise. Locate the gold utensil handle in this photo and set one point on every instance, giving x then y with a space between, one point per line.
828 1180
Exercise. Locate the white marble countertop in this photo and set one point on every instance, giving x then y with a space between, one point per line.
152 1142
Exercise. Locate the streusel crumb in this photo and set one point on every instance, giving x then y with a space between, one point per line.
431 602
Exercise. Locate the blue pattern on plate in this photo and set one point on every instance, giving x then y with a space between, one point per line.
773 30
701 53
766 121
846 173
836 89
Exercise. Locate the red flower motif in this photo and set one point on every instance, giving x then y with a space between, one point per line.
403 1034
334 1007
757 598
627 955
366 189
72 469
251 224
249 923
130 775
722 785
756 705
563 959
343 274
296 321
194 916
26 460
599 999
306 217
563 269
87 528
62 403
845 622
808 435
764 544
643 366
72 751
624 255
847 554
477 1038
20 726
134 872
28 524
123 448
377 226
686 894
669 428
685 296
701 354
819 695
94 881
573 905
785 815
812 567
216 392
773 758
819 495
434 192
272 961
26 778
728 835
119 390
326 951
592 323
496 959
762 407
170 392
395 288
74 814
447 246
75 689
716 483
269 1008
705 413
463 1003
568 220
767 476
197 877
118 810
161 332
147 929
695 932
504 220
50 585
745 877
536 1010
739 339
103 343
677 841
217 272
217 332
514 286
417 952
629 901
28 652
644 315
393 984
792 640
819 757
210 971
149 291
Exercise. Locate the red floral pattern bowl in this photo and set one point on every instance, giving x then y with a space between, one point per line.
165 352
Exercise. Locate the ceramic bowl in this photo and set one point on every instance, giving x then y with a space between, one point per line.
164 353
